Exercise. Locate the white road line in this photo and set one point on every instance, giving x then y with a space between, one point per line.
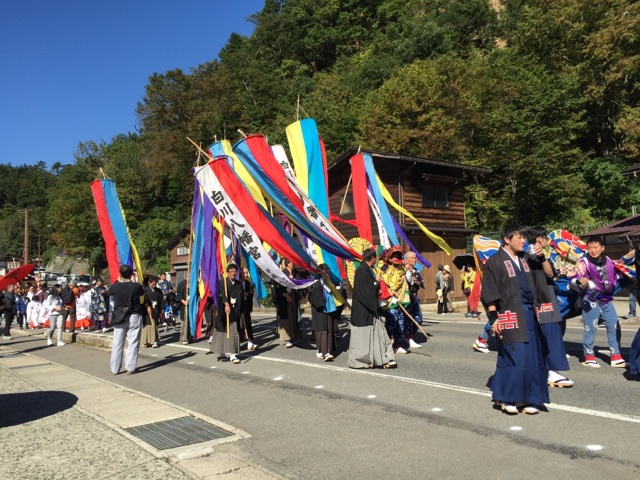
473 391
596 413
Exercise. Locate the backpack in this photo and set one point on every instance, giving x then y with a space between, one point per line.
67 296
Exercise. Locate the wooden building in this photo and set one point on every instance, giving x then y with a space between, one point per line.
8 262
178 247
432 191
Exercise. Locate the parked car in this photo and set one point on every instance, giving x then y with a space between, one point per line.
53 277
82 280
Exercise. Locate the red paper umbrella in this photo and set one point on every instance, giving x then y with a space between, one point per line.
15 275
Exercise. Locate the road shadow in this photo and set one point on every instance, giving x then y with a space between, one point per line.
25 407
161 362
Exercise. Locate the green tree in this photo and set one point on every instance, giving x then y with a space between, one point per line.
71 212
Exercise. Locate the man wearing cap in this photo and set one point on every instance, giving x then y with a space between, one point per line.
226 339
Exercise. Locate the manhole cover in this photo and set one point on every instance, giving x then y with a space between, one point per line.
178 432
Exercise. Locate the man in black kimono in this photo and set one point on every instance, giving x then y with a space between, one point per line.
183 299
226 339
369 345
246 328
509 296
323 313
287 309
549 317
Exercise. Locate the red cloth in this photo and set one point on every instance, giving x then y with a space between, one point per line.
360 197
474 297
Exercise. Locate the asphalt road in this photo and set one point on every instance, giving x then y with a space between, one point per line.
430 418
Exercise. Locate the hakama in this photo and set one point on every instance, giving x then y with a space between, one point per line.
553 349
289 327
149 334
229 291
370 346
83 311
521 374
220 344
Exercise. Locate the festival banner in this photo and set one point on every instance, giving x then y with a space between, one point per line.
234 204
224 148
209 264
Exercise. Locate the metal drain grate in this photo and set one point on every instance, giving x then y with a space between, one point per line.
178 432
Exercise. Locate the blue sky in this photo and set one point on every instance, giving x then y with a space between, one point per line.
73 70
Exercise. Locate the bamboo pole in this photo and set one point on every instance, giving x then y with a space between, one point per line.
414 321
206 154
226 295
346 191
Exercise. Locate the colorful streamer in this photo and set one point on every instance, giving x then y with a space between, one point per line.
119 247
361 197
265 169
197 248
432 236
307 151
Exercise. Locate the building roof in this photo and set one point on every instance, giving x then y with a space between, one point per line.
177 238
632 170
351 151
627 227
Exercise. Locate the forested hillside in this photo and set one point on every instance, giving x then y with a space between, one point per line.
545 93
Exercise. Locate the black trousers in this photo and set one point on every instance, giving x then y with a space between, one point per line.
8 320
69 313
442 306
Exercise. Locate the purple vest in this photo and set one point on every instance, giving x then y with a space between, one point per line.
591 272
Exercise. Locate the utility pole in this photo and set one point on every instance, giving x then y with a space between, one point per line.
39 249
26 235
